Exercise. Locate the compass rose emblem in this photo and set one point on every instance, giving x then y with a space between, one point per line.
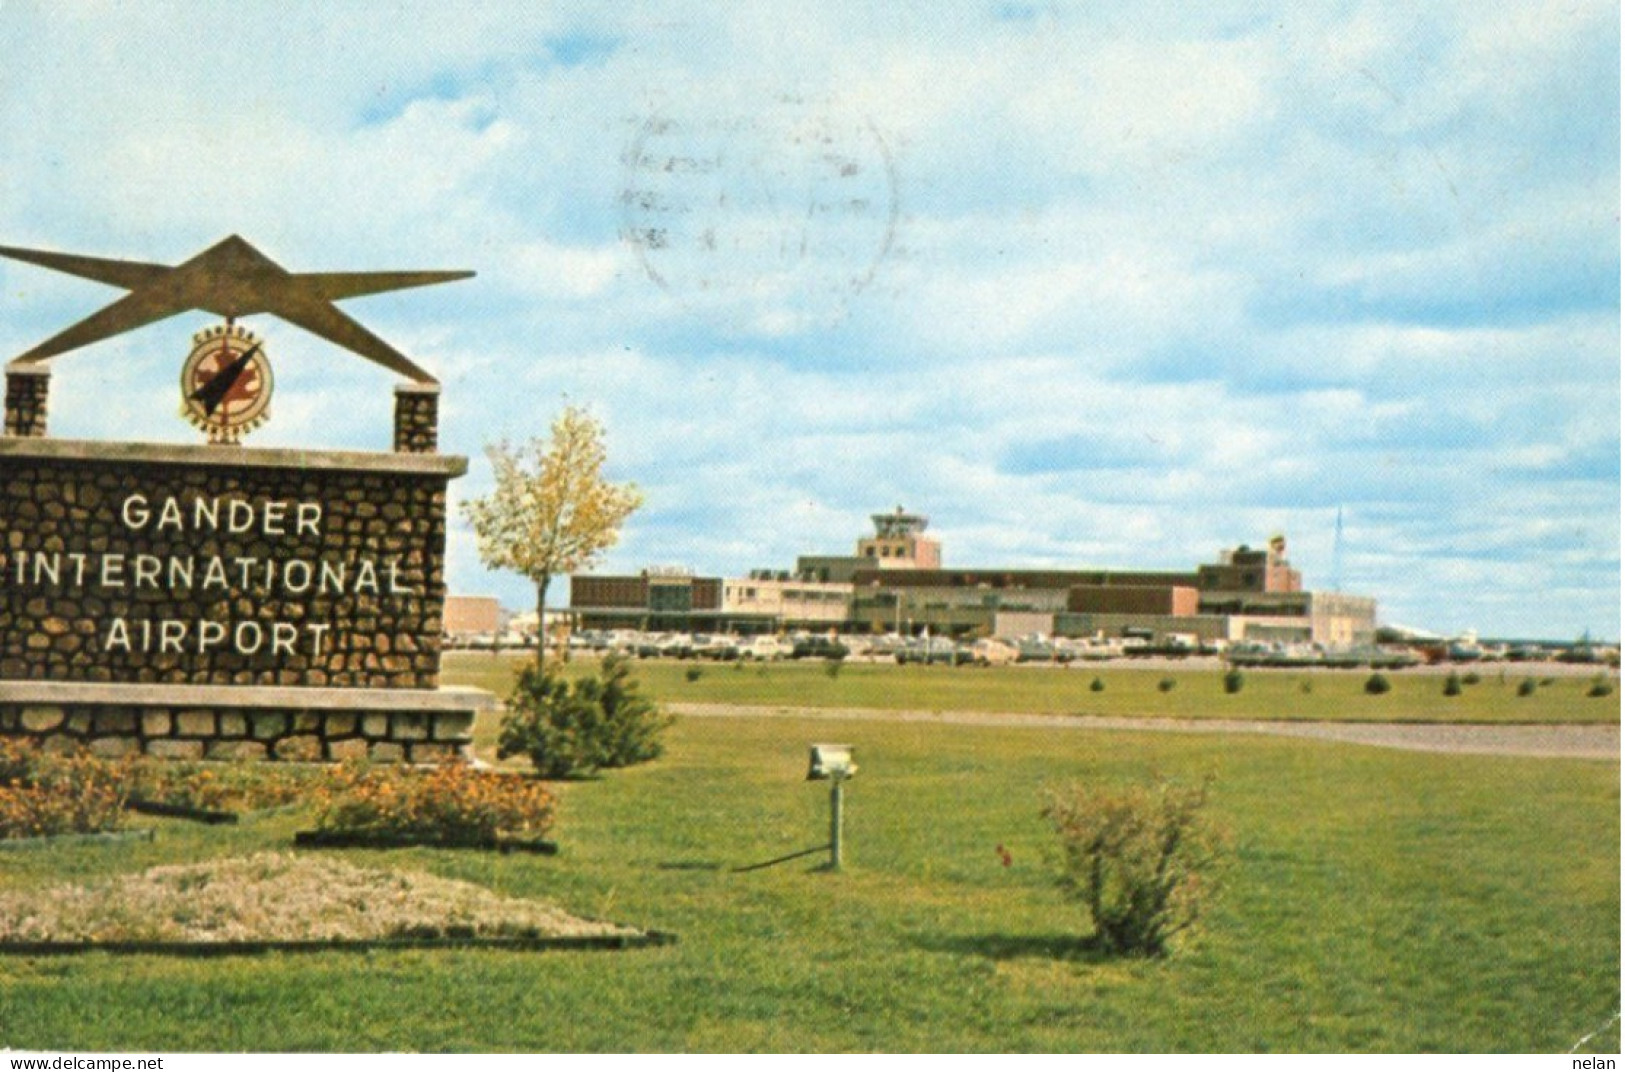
226 382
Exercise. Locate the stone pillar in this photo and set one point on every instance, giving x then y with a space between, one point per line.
417 418
26 389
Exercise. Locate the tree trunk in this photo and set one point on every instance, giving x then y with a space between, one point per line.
541 620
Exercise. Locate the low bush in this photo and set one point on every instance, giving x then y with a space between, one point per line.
1600 687
692 674
1306 686
220 786
573 730
1144 860
42 795
1377 685
1233 680
1471 677
1527 687
1452 684
1166 685
453 802
832 667
1097 685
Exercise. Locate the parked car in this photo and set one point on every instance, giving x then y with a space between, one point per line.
1037 648
990 651
932 650
817 647
889 644
764 648
719 646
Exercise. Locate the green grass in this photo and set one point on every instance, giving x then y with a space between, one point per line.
1129 692
1379 900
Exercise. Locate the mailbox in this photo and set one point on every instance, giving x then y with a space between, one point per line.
831 761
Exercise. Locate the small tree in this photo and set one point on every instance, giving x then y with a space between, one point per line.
1142 859
551 512
574 730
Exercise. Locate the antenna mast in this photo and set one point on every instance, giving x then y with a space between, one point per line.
1337 553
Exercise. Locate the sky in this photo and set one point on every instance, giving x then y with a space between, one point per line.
1106 284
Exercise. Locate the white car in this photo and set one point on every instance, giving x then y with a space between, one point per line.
990 651
764 648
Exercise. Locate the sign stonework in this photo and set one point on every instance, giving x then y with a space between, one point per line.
264 602
221 602
176 565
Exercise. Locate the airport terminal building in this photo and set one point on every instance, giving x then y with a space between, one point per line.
895 582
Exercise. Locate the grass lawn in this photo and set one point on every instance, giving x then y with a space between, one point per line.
1128 692
1379 900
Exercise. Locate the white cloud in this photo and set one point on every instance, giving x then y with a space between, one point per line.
1127 285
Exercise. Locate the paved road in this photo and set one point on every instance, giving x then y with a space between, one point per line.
1563 741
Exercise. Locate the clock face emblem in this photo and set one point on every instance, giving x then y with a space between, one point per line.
226 383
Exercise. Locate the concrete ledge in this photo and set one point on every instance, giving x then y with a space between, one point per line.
65 693
446 465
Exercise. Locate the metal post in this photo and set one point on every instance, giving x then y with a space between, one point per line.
835 823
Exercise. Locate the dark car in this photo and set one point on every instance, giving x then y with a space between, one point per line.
817 647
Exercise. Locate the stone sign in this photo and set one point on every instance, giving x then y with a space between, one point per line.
216 601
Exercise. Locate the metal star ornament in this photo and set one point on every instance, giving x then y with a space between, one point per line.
230 279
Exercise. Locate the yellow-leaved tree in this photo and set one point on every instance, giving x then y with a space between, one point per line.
551 512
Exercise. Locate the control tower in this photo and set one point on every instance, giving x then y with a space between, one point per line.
900 542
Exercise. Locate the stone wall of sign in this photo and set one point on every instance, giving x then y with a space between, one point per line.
168 731
221 565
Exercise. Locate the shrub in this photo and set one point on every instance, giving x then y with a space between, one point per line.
43 795
1377 685
1143 860
574 730
1471 677
452 802
1452 685
1166 685
1097 685
1600 686
832 667
1527 687
1233 680
219 786
692 674
1306 686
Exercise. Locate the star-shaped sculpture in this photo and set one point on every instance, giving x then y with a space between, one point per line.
230 279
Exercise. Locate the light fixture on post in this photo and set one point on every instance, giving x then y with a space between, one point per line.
832 763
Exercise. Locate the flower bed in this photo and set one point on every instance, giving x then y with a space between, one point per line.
44 795
219 792
452 804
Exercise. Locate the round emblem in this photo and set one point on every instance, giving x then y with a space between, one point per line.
226 382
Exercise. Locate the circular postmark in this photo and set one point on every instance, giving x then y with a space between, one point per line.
771 222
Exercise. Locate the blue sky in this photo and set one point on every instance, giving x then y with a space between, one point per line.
1106 284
